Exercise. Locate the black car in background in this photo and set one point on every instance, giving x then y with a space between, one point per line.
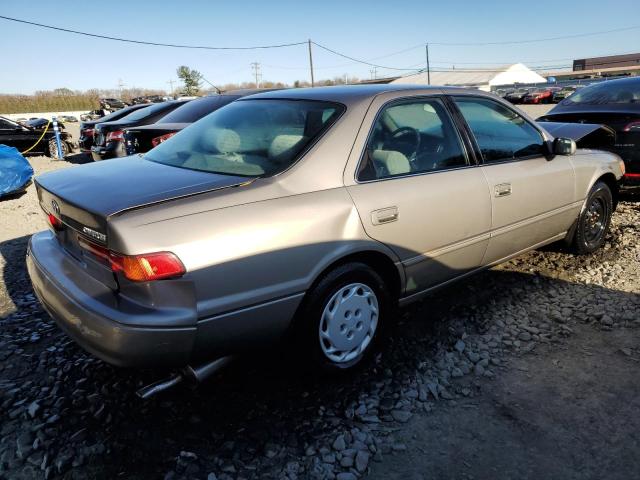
141 139
564 92
615 103
108 137
24 136
517 95
112 104
87 127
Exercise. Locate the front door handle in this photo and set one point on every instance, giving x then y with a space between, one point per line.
502 190
384 215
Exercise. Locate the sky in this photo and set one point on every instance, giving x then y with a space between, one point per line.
33 58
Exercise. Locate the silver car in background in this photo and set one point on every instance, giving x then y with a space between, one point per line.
305 215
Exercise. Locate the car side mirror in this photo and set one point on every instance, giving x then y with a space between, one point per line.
564 146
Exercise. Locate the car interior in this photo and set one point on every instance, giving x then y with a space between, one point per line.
261 143
411 138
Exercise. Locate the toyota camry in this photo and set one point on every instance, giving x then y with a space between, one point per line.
305 216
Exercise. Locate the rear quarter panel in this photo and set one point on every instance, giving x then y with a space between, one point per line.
246 254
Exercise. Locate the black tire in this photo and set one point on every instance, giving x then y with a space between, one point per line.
594 220
306 334
52 148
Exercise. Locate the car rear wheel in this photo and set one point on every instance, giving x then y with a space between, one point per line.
342 318
594 220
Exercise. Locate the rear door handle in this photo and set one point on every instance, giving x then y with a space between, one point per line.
502 189
384 215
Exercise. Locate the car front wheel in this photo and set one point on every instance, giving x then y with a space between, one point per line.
53 148
594 220
342 317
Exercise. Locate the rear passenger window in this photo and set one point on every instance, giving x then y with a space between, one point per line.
501 134
411 137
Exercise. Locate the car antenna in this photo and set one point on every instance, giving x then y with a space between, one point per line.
218 91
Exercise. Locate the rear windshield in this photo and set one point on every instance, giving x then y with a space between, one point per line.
606 93
253 138
196 109
145 112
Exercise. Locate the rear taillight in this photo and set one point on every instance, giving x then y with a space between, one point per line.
138 268
115 136
158 140
147 267
54 221
632 127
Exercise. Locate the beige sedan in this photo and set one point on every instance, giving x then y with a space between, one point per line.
305 215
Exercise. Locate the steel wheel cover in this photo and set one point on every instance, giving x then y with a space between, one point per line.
595 220
348 322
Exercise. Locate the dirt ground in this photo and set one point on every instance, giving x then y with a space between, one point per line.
562 412
526 371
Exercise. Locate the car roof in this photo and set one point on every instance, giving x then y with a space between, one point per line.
350 93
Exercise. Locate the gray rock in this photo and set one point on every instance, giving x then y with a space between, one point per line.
32 409
346 476
24 444
473 357
339 443
329 458
401 416
362 461
524 336
459 346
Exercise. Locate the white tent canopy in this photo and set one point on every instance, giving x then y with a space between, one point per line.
482 79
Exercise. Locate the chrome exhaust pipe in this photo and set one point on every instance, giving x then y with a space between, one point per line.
160 386
198 374
201 373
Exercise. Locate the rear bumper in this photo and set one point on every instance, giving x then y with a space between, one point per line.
110 150
631 180
88 314
167 333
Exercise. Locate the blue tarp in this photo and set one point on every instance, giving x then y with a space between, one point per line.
15 171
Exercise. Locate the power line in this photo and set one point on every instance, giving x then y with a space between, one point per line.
357 60
547 39
142 42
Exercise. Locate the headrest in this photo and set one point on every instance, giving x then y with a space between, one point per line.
223 140
282 143
393 161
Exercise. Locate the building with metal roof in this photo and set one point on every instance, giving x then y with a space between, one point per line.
482 79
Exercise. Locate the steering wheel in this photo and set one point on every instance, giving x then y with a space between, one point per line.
406 131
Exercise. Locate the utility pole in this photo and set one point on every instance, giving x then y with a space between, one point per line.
374 73
171 82
428 69
311 64
120 85
255 66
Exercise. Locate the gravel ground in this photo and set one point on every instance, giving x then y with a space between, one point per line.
533 375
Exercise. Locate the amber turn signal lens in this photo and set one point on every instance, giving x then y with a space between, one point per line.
147 267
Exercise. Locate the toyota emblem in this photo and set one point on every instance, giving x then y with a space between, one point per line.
56 207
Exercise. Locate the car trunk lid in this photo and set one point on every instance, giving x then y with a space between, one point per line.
84 198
